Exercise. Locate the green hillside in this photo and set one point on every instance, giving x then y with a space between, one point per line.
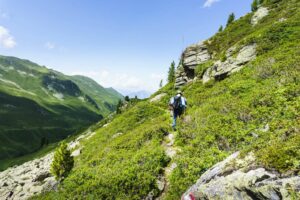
106 99
41 106
125 159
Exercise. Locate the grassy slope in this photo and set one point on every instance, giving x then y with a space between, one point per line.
225 116
107 99
30 115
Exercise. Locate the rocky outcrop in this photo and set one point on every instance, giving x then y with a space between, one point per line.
158 97
259 14
221 70
192 56
236 178
34 177
235 59
27 179
195 55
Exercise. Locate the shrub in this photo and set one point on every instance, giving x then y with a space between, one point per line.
201 68
223 57
62 162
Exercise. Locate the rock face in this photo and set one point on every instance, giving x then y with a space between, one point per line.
195 55
259 14
198 54
221 70
192 56
28 179
236 178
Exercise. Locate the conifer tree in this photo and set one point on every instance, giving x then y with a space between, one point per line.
161 84
171 74
231 19
127 98
254 5
220 29
119 106
62 162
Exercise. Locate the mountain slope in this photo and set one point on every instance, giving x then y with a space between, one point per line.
105 98
253 109
41 106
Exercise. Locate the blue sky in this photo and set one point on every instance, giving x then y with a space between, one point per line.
126 44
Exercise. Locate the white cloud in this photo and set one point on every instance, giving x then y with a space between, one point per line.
158 76
49 45
124 81
6 40
209 3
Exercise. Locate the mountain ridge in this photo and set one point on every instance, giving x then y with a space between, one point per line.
34 97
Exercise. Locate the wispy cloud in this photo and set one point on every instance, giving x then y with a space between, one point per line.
123 81
209 3
49 45
6 39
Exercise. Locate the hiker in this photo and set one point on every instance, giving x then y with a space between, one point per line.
178 105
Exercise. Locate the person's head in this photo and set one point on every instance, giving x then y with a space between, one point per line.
179 93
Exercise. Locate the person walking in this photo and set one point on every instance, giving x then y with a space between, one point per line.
178 106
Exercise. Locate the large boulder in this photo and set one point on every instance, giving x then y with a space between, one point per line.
192 56
195 55
236 178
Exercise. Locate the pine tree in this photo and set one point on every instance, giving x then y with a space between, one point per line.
127 98
62 162
231 19
119 106
161 84
254 5
220 29
171 74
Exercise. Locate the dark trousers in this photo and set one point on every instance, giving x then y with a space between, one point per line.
176 113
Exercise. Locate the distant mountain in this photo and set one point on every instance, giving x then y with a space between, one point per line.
140 94
40 105
114 92
105 98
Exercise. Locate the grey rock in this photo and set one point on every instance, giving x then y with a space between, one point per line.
76 153
259 14
42 176
192 56
282 19
219 70
246 54
161 182
117 135
157 97
27 179
73 145
236 178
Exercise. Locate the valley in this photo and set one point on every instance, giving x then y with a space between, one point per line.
40 106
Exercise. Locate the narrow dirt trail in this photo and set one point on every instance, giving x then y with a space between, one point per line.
170 151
